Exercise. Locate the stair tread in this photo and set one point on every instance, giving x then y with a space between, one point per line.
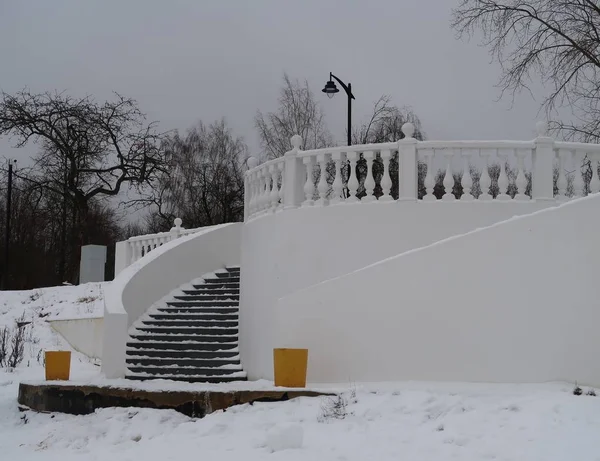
193 336
233 374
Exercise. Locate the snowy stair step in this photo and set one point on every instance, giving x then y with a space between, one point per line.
203 303
184 315
232 354
239 376
206 323
217 285
211 291
186 337
184 362
190 330
198 310
169 370
208 297
152 343
219 280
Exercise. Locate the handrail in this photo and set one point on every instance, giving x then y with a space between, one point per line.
136 247
426 170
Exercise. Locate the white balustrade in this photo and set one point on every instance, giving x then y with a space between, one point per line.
386 180
135 248
485 171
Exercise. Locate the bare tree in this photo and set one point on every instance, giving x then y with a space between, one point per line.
297 113
89 151
555 40
385 123
205 181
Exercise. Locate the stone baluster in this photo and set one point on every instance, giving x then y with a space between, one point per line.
502 178
369 180
322 187
264 197
260 187
484 180
309 186
252 191
280 167
448 177
337 185
429 179
467 180
594 180
274 196
386 180
267 195
578 183
562 182
352 181
521 179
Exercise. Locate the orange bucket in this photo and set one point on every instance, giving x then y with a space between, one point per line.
58 365
290 367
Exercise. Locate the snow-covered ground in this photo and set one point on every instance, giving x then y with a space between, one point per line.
411 421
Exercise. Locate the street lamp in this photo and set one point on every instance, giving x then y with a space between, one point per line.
331 89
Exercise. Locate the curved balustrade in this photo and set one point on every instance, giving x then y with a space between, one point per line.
542 169
129 251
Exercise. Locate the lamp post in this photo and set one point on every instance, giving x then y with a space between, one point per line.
331 89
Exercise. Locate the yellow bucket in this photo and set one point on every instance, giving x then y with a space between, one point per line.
58 365
290 367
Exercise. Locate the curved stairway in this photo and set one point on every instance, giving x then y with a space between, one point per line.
191 337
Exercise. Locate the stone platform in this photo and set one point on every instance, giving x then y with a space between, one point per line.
85 399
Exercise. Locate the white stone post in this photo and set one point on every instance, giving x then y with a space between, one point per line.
249 188
123 254
543 165
408 164
294 176
92 264
176 231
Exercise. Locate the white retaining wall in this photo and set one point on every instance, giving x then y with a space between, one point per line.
515 302
84 335
294 249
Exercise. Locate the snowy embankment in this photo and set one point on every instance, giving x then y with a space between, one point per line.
544 422
35 308
420 421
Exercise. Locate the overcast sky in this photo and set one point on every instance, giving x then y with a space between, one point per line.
193 60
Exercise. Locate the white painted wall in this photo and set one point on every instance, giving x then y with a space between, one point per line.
515 302
152 277
84 335
296 248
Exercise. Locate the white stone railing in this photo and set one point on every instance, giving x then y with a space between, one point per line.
542 169
129 251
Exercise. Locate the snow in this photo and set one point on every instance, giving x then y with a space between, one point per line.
54 303
387 422
380 421
285 437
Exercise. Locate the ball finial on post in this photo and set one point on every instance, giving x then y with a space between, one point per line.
408 129
177 222
296 141
252 162
541 128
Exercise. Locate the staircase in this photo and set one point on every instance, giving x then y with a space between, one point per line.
192 337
